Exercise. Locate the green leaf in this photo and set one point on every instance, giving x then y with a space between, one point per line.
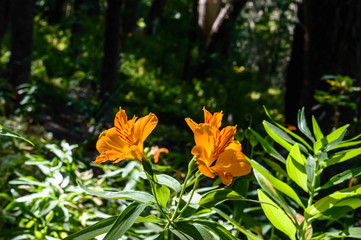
166 180
316 129
138 196
95 230
295 166
187 231
269 189
217 229
353 232
150 218
279 136
268 147
163 194
246 232
276 183
148 169
302 124
9 133
341 157
341 177
330 140
125 220
294 135
277 216
336 204
217 196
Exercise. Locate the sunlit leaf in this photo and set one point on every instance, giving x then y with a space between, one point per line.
302 124
316 129
277 216
341 157
163 194
129 195
296 167
9 133
331 139
125 220
216 228
341 177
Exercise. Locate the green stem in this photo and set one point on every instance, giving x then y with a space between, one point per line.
189 173
192 193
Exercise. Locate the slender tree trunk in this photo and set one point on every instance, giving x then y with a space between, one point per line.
4 17
294 75
194 32
217 24
111 53
331 46
22 21
154 16
56 11
130 16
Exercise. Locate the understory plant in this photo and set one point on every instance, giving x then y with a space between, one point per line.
305 202
171 210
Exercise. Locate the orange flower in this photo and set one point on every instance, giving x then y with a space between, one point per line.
214 120
125 140
155 150
217 152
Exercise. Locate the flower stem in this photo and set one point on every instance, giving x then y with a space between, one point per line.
189 173
190 198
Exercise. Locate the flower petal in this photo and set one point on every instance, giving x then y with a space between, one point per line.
202 160
192 124
205 136
144 126
224 138
214 120
111 147
231 163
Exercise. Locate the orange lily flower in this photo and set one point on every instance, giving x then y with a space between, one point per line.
125 139
217 152
155 150
214 120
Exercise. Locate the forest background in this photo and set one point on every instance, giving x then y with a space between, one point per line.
66 66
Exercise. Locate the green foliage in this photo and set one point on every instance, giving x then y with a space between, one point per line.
296 216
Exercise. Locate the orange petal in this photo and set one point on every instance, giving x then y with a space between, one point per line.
111 147
214 120
224 138
203 160
231 163
192 124
143 127
205 137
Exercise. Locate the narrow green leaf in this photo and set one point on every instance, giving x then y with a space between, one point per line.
268 147
9 133
302 124
279 135
352 232
95 230
276 183
341 177
336 204
316 129
125 220
128 195
217 229
294 135
187 231
341 157
246 232
272 192
163 194
345 144
277 216
217 196
150 218
295 166
166 180
331 139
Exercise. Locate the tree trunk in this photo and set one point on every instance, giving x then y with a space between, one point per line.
111 53
56 11
22 21
4 17
154 16
217 22
331 46
294 75
130 16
